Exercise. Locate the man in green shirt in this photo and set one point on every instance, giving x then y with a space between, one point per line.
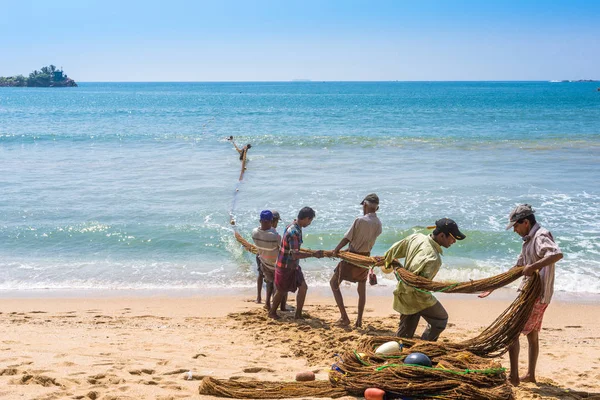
422 254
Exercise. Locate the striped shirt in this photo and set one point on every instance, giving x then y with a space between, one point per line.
291 240
267 243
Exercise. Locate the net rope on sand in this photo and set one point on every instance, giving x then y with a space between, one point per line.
462 370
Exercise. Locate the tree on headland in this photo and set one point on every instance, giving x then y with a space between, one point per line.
48 76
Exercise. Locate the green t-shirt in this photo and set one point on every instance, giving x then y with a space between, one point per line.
422 256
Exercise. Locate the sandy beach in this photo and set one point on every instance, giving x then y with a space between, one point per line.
143 347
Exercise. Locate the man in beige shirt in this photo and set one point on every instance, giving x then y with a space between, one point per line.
361 236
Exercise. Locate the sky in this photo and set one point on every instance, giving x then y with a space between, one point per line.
320 40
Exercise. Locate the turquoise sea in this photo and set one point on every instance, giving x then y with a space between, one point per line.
130 185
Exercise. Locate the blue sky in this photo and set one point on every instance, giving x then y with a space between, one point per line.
282 40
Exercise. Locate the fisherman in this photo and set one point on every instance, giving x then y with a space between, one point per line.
267 242
361 237
288 274
539 253
422 254
241 151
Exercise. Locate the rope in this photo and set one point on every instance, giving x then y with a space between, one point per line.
418 282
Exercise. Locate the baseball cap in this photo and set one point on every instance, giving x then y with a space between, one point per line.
266 215
371 198
521 211
447 225
275 214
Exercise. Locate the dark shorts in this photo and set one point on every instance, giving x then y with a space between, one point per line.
288 279
350 272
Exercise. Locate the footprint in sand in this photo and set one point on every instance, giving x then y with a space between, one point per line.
254 370
8 371
41 380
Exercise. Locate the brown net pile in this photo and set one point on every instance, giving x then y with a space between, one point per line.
455 374
268 390
460 370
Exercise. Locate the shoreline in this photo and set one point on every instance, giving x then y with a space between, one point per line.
321 291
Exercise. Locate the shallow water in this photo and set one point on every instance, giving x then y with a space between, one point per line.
130 185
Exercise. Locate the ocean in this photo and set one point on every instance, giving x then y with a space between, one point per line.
131 185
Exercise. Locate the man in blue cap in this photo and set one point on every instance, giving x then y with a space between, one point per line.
267 241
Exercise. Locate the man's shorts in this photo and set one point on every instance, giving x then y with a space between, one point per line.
351 273
534 323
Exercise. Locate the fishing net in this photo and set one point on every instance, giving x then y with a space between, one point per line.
463 370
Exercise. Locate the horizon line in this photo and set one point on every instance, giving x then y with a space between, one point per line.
590 80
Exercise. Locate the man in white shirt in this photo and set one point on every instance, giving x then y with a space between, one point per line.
538 254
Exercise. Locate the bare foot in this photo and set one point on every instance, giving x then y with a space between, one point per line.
267 306
528 378
299 316
274 316
358 324
514 380
342 322
258 301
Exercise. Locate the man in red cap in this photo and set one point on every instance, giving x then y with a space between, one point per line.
423 256
361 237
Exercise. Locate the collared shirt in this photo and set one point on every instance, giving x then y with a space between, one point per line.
539 244
422 256
267 243
291 240
363 233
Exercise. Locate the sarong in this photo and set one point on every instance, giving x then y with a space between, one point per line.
534 323
267 273
350 272
288 279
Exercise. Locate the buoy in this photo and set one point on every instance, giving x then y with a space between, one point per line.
305 376
389 348
374 394
418 359
232 222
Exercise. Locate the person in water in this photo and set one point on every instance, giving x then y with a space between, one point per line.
241 151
